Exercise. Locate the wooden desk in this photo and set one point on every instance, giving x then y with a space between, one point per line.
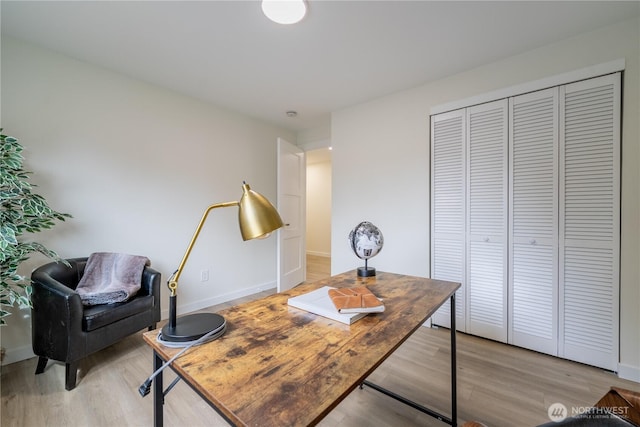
280 366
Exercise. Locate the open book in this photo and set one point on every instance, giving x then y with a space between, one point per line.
355 300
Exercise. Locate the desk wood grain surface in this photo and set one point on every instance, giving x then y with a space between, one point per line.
280 366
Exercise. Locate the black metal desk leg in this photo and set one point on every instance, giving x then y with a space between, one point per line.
454 393
158 394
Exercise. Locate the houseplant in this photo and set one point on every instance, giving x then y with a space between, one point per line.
22 212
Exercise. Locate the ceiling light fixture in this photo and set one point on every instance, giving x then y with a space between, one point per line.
284 11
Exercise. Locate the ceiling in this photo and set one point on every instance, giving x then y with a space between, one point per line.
341 54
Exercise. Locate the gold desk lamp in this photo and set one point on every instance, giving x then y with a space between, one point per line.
257 218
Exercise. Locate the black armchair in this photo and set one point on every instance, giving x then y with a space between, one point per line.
63 329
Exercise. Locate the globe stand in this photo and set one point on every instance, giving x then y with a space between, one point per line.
366 271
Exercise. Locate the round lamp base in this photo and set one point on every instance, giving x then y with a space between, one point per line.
193 327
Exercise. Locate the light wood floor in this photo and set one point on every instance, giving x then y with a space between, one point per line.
498 384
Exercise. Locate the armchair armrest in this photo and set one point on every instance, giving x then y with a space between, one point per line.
57 311
150 282
150 285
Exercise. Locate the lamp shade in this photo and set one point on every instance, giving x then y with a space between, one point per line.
256 215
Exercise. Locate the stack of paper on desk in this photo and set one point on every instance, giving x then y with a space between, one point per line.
319 302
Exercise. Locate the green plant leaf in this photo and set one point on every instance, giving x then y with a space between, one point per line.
8 234
21 211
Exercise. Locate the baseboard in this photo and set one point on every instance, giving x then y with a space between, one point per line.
628 372
322 254
199 305
18 354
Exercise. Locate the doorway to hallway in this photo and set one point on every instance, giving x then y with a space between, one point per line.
318 213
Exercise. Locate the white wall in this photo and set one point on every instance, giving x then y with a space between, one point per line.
381 162
136 165
318 235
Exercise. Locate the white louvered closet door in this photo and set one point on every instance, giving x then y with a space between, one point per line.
590 221
448 209
487 205
533 221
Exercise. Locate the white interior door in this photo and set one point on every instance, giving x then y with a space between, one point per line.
533 221
589 276
448 210
487 191
291 206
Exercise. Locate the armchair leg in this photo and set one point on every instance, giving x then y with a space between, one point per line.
71 369
42 363
152 327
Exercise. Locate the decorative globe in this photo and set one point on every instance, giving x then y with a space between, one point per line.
366 240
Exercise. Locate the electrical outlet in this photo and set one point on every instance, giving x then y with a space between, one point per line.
204 275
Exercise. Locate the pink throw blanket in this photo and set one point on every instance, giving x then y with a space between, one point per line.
111 277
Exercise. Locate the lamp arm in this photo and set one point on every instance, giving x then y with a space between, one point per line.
173 281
